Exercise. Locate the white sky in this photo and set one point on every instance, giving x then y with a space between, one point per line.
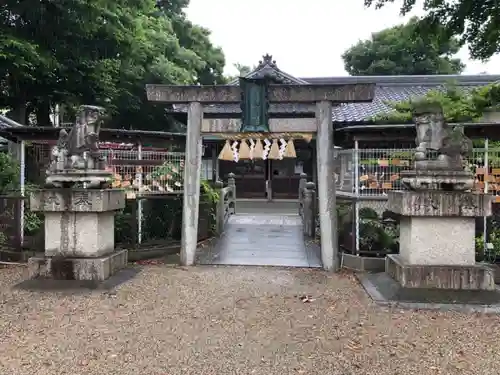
306 38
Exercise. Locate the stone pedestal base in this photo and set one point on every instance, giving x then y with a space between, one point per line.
79 223
437 240
438 227
79 234
437 249
85 269
466 277
438 203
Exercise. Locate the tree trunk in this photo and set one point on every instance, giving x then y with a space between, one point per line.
43 113
19 113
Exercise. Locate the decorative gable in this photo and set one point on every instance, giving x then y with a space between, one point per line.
268 68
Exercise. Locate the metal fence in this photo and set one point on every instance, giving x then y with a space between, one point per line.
374 172
365 176
146 172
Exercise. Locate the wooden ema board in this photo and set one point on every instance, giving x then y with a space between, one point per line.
492 177
386 176
159 176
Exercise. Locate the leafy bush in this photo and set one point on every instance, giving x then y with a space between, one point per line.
9 173
378 234
162 217
10 185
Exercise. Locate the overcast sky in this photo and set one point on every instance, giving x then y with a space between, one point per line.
306 38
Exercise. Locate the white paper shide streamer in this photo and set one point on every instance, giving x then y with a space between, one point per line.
282 148
252 147
234 147
267 148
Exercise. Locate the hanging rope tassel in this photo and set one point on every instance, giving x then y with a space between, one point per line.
290 150
226 153
252 148
274 153
244 150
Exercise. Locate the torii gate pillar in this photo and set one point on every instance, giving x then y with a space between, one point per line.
323 96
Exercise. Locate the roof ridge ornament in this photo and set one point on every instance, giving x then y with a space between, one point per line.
267 59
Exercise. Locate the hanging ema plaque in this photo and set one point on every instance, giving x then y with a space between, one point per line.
254 105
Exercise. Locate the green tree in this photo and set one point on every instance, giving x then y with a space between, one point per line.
399 51
242 69
65 50
474 21
100 52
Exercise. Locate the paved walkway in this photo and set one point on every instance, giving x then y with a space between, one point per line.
263 234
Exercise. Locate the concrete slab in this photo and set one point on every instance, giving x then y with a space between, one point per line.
73 287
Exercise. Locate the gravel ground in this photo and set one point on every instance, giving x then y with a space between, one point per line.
218 320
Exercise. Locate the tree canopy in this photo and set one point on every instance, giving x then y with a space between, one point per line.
400 51
474 21
242 69
74 52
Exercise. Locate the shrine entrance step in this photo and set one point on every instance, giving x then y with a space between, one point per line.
287 207
263 234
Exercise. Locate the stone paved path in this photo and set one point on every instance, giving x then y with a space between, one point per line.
263 234
263 240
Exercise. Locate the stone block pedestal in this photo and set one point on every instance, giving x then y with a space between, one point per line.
86 269
437 247
450 277
437 240
79 234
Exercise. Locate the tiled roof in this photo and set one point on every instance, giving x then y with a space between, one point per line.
387 89
5 122
359 112
396 89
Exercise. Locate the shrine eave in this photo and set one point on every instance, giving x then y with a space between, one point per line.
34 133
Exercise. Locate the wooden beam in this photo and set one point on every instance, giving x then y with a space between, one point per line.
218 94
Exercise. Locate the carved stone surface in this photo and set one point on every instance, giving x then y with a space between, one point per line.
440 153
79 212
347 93
467 277
434 134
75 159
431 203
77 200
424 179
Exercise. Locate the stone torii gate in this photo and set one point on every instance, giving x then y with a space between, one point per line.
258 118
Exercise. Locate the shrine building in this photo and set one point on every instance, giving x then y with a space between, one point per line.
278 177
